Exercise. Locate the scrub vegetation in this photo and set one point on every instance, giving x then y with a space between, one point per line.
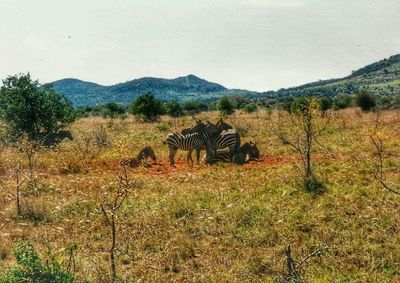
81 213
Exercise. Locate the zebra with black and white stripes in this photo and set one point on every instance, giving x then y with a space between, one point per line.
247 152
224 137
198 138
227 139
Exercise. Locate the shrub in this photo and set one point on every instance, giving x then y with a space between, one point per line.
146 107
31 269
301 105
325 103
225 106
365 100
285 103
194 106
250 107
314 186
342 101
173 108
31 108
112 110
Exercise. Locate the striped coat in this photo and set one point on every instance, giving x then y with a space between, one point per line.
228 138
246 153
200 136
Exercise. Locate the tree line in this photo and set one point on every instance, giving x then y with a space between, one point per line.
31 108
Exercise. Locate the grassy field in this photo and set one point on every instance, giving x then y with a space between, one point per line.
221 223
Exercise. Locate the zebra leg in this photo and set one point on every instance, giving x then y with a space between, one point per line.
172 152
189 157
198 155
232 153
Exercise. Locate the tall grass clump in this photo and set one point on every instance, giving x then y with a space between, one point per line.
30 268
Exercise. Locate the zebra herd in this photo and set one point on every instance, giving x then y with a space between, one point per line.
212 138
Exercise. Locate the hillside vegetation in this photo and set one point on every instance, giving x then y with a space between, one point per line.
380 78
180 89
222 223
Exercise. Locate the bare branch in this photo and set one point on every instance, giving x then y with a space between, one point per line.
380 152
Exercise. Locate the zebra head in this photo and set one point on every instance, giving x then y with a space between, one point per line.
223 126
255 152
251 149
212 129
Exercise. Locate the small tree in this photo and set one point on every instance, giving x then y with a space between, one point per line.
30 149
365 100
385 158
109 209
342 101
146 107
302 135
325 104
250 107
173 108
30 108
225 106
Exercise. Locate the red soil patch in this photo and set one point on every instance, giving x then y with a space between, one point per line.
162 167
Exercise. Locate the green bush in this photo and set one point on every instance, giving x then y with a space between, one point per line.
284 103
112 110
250 107
342 101
173 108
30 268
30 108
365 100
146 107
325 103
194 106
225 106
301 105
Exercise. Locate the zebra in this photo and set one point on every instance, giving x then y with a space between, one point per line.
137 161
245 153
228 138
224 137
199 137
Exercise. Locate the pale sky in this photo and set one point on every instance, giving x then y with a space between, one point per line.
251 44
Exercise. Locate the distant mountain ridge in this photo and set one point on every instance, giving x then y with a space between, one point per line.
380 78
185 88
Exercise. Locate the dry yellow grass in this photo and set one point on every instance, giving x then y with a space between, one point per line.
224 223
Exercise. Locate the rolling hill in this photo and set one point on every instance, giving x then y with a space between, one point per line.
182 89
381 78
